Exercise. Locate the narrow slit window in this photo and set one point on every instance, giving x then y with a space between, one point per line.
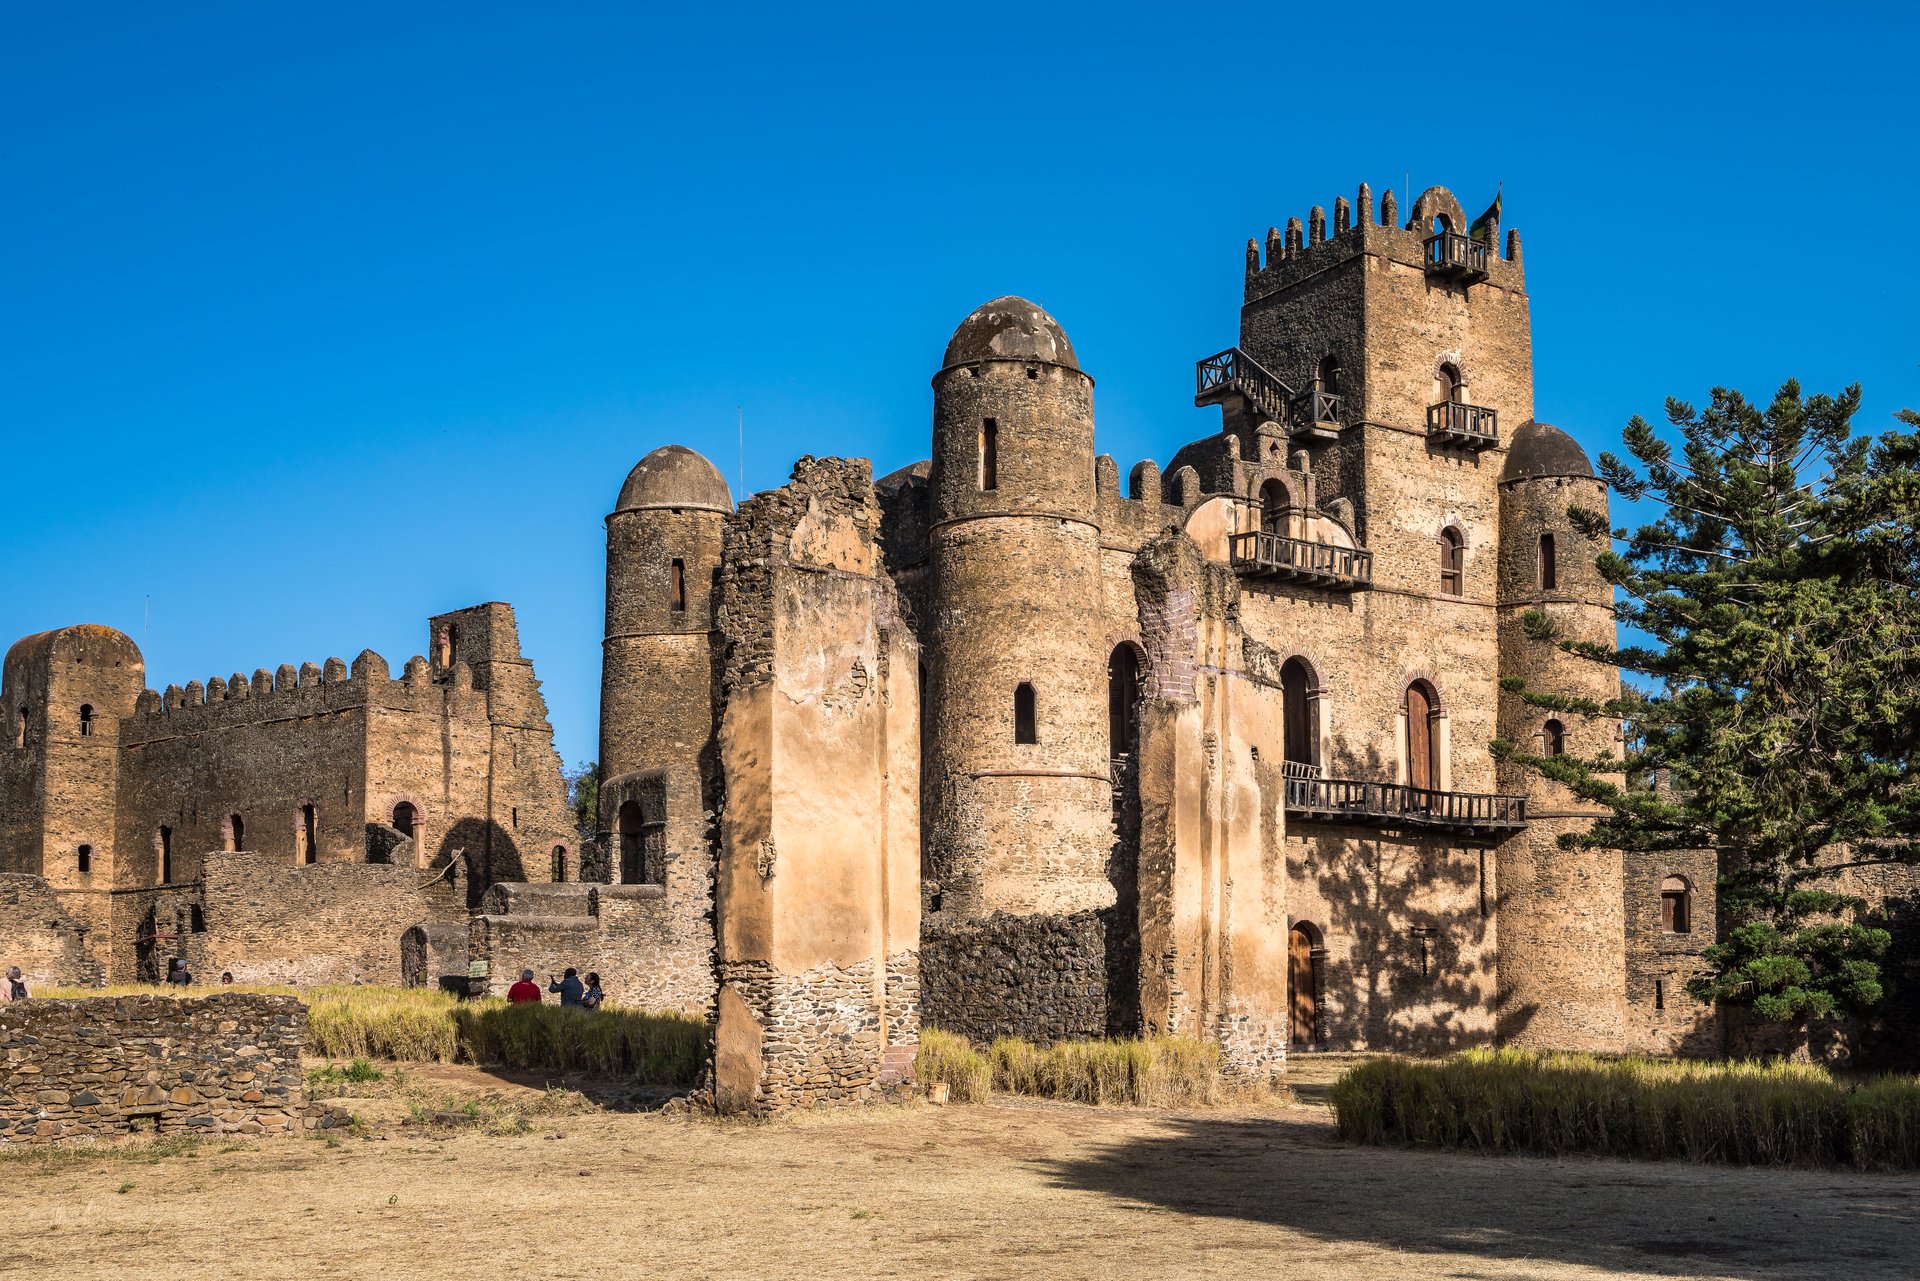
309 835
86 720
1659 994
559 864
989 455
679 585
166 856
1549 572
1026 728
84 858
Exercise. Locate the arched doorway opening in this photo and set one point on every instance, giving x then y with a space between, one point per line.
1123 702
1297 711
632 832
1274 501
1423 747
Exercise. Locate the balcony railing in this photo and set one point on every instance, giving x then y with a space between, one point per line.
1317 412
1322 564
1234 370
1337 800
1472 426
1451 254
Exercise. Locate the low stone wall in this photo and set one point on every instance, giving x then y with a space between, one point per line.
102 1066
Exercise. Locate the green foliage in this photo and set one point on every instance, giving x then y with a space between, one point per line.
1513 1101
359 1072
1779 681
583 793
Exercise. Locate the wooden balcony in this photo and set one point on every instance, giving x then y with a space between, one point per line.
1316 414
1456 257
1467 426
1234 371
1259 554
1337 800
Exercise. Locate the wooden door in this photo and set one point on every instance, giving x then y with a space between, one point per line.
1420 770
1300 983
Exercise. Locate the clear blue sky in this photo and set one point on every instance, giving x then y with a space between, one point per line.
315 320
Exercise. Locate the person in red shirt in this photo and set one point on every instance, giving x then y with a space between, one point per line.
524 991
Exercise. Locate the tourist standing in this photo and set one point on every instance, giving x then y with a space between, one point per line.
591 998
177 971
568 987
16 984
525 992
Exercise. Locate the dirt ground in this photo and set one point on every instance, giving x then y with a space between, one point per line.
553 1185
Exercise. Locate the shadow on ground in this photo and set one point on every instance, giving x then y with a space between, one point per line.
1642 1217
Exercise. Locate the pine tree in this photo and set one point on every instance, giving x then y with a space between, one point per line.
1772 681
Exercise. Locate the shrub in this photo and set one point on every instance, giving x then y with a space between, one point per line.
1508 1101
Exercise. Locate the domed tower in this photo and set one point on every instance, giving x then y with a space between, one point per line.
1019 822
658 670
1562 927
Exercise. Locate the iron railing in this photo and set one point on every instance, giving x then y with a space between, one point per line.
1397 805
1453 254
1472 425
1258 552
1234 370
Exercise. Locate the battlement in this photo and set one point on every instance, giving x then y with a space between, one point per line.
307 690
1434 239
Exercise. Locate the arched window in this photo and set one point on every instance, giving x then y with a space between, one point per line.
1453 388
1553 739
403 819
83 859
86 720
236 832
559 863
1123 701
1274 502
1026 724
165 843
679 585
1549 572
307 836
1676 905
1296 697
1328 374
1303 948
989 454
1453 557
1423 743
632 832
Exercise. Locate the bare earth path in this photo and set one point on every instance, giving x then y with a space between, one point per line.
1012 1190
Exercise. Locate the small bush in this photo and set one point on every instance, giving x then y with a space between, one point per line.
1508 1101
657 1049
359 1072
948 1058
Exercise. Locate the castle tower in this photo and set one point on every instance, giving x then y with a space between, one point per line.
1562 968
65 693
659 675
1020 824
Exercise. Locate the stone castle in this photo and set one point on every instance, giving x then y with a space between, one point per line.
990 742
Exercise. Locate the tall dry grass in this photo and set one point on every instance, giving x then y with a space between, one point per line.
1509 1101
426 1025
1152 1072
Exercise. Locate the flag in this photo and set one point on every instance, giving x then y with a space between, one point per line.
1489 218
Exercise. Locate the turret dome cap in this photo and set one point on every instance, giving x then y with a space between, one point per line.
1011 328
1541 449
675 476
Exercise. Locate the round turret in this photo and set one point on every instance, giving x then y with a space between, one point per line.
1019 802
674 476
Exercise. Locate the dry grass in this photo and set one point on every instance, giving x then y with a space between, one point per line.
1507 1101
425 1025
1162 1072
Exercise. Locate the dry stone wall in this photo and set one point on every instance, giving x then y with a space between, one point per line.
104 1066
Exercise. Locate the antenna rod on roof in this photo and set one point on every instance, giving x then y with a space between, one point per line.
742 424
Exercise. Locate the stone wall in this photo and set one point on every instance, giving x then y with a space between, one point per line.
1661 1017
625 933
38 935
104 1066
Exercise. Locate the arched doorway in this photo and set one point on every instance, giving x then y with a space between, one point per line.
1303 984
1423 749
632 831
1123 702
1296 696
1274 501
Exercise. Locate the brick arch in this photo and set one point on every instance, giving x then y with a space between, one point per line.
1315 668
1422 676
1437 202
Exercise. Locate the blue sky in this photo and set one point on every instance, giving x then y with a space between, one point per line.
316 320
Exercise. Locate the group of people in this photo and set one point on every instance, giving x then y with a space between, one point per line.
569 987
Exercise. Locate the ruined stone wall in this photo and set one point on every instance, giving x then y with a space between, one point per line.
625 933
818 906
98 1068
39 935
1661 1017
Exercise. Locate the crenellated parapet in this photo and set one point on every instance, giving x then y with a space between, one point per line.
1435 212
